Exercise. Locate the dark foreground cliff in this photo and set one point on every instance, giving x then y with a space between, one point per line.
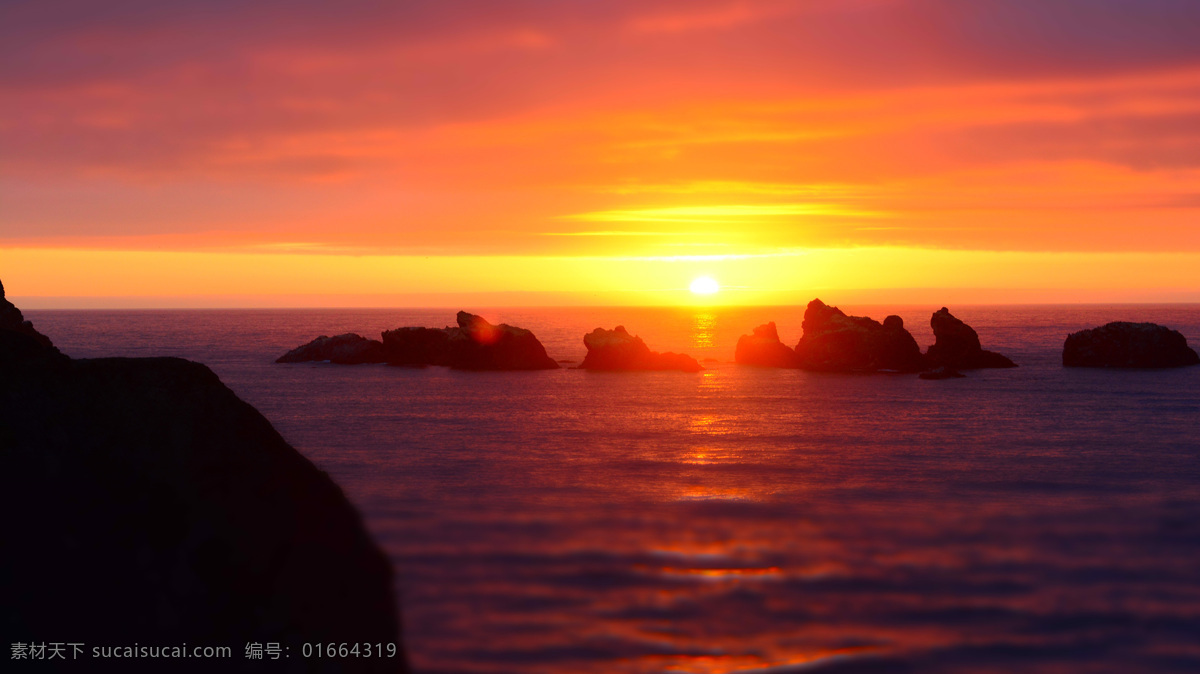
148 505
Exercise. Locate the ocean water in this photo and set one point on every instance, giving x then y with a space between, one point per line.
1036 519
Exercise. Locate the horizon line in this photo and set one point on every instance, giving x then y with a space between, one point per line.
626 299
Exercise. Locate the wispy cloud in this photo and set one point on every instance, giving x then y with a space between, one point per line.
711 258
723 213
702 16
826 191
615 232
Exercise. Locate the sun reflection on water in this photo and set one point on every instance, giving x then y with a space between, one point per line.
703 329
730 664
709 424
712 382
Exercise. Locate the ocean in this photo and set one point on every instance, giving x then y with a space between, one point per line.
1036 519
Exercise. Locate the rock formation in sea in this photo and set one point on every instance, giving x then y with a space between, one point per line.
957 347
763 348
1123 344
347 349
618 350
474 345
417 346
835 342
148 504
479 345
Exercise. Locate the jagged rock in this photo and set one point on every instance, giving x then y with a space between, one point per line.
474 345
150 505
835 342
479 345
1123 344
20 343
618 350
347 349
957 345
942 372
764 348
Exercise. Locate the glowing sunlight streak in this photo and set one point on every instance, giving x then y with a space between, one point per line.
618 233
703 326
812 190
723 214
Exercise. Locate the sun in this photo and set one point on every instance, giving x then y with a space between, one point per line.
705 285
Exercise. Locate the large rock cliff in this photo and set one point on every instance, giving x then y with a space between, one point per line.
148 504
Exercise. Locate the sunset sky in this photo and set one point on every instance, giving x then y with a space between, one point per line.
299 153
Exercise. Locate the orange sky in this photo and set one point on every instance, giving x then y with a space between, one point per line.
226 153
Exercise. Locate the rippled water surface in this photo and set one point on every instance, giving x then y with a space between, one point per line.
1037 519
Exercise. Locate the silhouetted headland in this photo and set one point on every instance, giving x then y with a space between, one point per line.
1124 344
618 350
23 348
474 345
149 504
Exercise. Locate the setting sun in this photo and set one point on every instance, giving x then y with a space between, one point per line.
705 285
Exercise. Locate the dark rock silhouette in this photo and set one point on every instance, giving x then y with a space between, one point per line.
20 343
347 349
148 504
474 345
942 372
417 346
957 345
1123 344
618 350
835 342
479 345
763 348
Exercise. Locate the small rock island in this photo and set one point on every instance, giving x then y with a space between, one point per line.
347 349
474 344
957 347
835 342
763 348
616 349
1122 344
